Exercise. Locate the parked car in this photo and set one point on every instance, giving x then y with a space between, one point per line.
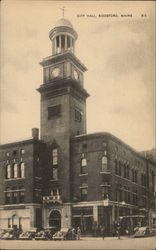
141 232
8 235
2 232
49 232
63 234
26 236
40 235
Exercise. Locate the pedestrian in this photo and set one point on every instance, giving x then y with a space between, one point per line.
103 231
78 233
118 227
73 233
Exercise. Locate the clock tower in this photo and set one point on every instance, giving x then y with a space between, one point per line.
63 100
63 97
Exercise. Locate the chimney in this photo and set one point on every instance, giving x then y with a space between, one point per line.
35 133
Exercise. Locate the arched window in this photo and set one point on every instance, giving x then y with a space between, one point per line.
120 168
104 163
116 166
15 170
22 170
8 171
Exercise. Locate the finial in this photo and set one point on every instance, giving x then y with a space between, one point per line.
63 9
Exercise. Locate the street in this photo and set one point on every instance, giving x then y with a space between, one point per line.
85 243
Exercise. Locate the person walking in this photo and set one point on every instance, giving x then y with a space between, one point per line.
78 233
73 233
118 227
103 232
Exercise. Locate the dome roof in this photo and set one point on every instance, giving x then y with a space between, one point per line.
63 22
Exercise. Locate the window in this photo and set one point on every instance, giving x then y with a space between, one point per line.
38 196
8 172
14 198
21 170
7 196
56 193
55 173
120 193
84 194
54 111
78 116
9 222
15 170
153 182
135 176
116 166
105 193
21 196
125 171
120 168
104 163
55 156
57 41
129 196
143 180
135 197
83 165
62 41
14 152
68 42
22 151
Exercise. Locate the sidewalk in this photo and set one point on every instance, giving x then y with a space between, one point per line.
106 238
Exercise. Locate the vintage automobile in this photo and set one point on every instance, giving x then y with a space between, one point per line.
2 232
40 235
63 234
26 236
49 232
141 232
8 235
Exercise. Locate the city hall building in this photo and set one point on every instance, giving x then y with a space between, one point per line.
68 177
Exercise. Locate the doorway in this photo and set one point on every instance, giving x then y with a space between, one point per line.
55 219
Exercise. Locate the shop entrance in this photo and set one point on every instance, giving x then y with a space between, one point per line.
55 219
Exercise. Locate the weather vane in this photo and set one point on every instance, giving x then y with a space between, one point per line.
63 9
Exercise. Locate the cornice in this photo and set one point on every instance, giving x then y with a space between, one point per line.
67 55
61 87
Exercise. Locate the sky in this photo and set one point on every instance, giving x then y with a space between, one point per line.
119 53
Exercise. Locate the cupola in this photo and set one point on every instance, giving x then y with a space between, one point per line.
63 37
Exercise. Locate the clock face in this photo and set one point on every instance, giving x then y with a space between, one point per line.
75 74
55 72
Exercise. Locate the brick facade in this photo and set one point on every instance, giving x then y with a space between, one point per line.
69 177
